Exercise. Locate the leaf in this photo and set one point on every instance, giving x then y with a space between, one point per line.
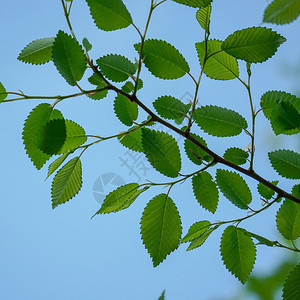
291 287
132 140
97 80
116 67
234 188
196 230
162 151
282 11
35 121
125 110
162 59
170 108
194 3
218 64
261 240
67 182
37 52
238 252
195 153
285 119
68 57
219 121
160 228
205 191
60 136
87 45
203 16
236 155
256 44
266 192
57 163
109 15
201 239
286 163
120 198
288 217
3 93
162 296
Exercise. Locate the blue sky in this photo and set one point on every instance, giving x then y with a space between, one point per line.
62 253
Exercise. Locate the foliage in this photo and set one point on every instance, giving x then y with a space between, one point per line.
47 133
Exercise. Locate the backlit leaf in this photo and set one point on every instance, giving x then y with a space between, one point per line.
194 3
162 151
256 44
163 60
68 57
57 163
238 252
234 188
160 228
3 93
266 192
201 239
205 191
282 11
261 240
67 182
291 287
196 230
286 163
37 52
109 14
219 121
132 140
125 110
203 16
220 66
236 155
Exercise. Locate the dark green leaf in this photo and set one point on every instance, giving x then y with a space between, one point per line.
96 79
282 11
238 252
163 60
218 64
219 121
256 44
205 191
3 93
132 140
261 240
234 188
286 163
37 52
125 110
236 155
68 57
194 3
162 296
87 45
203 16
291 287
109 14
160 228
266 192
162 151
196 230
67 182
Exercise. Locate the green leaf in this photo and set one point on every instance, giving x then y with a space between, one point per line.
205 191
87 45
96 79
160 228
109 14
196 230
36 120
256 44
132 140
57 163
236 155
288 217
261 240
68 57
234 188
219 121
194 3
203 16
286 163
285 119
162 151
170 108
282 11
238 252
162 296
3 93
291 287
116 67
163 60
37 52
67 182
121 198
266 192
201 239
218 64
60 136
195 153
125 110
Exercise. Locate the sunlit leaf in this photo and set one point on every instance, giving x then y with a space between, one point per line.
194 3
57 163
196 243
160 228
196 230
132 140
236 155
291 287
125 110
203 16
256 44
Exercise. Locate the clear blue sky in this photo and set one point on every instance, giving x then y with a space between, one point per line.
62 253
